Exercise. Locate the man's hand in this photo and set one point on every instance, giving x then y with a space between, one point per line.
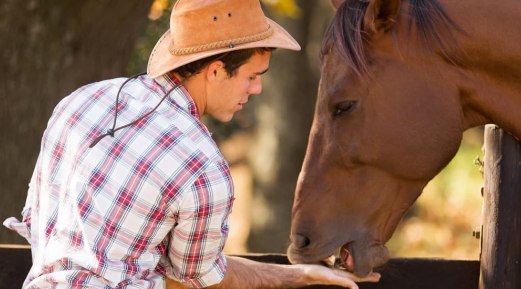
318 274
243 273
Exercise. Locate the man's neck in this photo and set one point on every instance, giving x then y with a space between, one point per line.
195 86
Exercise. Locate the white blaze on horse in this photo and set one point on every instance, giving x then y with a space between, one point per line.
400 82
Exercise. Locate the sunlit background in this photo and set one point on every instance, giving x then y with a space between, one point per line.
440 224
444 219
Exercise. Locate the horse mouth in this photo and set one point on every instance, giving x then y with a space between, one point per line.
356 257
344 260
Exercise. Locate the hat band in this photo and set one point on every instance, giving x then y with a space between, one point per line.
230 43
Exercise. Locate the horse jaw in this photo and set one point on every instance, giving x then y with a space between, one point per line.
358 225
364 257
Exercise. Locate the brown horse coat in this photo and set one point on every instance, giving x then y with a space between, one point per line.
401 81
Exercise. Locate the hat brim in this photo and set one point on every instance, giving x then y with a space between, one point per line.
162 61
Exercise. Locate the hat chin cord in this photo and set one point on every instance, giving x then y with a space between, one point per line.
112 130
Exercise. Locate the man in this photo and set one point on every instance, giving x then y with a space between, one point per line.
129 186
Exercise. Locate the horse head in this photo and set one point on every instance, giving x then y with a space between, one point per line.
388 118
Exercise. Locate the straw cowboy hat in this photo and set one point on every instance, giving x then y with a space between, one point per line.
202 28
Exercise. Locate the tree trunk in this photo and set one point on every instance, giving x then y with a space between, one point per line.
284 115
50 48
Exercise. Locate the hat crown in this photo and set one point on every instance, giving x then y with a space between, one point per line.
196 23
202 28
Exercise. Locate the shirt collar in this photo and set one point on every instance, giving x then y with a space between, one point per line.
180 95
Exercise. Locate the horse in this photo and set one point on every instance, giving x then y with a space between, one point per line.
400 82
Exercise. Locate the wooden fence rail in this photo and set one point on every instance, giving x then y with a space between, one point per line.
399 273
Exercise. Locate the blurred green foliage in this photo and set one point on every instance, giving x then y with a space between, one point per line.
283 7
157 26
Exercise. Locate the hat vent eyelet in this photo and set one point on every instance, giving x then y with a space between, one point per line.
215 18
229 14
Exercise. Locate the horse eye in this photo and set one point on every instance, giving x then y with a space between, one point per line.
343 107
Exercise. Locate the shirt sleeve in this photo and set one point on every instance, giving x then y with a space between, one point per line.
197 241
23 228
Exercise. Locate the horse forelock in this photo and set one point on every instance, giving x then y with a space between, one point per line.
432 24
345 33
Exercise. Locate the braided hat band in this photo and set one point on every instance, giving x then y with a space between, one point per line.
231 43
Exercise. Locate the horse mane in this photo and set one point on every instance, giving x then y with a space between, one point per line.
346 30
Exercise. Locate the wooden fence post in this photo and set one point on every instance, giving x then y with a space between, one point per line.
501 244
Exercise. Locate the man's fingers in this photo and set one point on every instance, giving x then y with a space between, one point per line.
319 274
351 284
372 277
344 279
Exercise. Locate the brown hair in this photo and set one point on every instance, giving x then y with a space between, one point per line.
232 61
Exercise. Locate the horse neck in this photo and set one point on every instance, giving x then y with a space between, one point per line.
491 70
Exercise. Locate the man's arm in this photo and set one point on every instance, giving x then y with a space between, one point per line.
242 273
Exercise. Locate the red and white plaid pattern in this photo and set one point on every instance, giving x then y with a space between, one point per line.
151 201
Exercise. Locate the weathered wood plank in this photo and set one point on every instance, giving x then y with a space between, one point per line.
398 273
501 243
15 262
411 273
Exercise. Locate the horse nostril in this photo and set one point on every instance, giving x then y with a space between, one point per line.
301 241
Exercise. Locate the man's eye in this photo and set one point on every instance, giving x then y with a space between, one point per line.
252 78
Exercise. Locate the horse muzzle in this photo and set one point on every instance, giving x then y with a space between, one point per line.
357 257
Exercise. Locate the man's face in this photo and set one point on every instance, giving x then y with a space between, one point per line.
229 94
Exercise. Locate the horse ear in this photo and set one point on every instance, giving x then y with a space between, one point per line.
337 3
380 15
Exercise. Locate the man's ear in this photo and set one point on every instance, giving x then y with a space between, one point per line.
380 15
214 70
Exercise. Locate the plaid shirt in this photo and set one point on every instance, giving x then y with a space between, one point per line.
151 201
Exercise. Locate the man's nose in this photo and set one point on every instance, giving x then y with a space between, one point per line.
256 86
